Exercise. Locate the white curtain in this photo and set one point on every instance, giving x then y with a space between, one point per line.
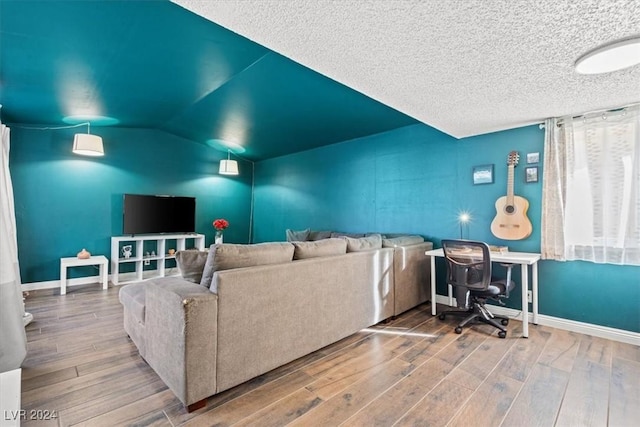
13 342
591 188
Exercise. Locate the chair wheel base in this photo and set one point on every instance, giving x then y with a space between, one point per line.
502 334
458 330
504 322
441 317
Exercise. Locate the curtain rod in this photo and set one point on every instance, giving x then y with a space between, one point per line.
606 110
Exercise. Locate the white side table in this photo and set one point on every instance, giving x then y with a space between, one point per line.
65 263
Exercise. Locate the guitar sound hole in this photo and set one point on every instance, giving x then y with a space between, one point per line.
510 209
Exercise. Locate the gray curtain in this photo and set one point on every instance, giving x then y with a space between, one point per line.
554 197
13 340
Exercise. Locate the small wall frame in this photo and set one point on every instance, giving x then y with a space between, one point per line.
483 174
531 174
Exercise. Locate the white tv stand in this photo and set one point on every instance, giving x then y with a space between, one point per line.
158 264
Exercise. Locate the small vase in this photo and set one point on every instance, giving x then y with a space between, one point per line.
219 238
84 254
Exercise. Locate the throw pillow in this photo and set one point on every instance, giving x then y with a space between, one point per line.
207 273
325 247
228 256
297 236
352 235
319 235
384 236
364 243
191 264
401 241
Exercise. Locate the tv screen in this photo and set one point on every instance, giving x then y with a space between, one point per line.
145 214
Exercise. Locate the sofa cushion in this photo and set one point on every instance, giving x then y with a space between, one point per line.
325 247
371 242
401 241
228 256
297 236
352 235
133 297
319 235
191 264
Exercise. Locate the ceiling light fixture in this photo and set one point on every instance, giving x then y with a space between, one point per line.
614 56
86 144
228 167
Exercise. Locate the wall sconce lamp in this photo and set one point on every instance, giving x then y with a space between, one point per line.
228 166
86 144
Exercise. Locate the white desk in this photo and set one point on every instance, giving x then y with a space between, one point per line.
65 263
524 259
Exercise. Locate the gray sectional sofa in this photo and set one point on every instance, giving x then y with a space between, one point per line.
239 311
412 271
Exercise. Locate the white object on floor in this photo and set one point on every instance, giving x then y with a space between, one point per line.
27 318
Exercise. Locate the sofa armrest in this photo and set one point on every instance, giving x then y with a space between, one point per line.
181 328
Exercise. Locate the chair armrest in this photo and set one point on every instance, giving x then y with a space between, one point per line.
509 268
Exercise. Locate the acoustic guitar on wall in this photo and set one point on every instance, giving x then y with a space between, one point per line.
511 222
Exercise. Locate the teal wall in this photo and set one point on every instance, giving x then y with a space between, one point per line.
66 202
416 180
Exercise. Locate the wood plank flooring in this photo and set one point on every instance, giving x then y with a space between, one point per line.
413 371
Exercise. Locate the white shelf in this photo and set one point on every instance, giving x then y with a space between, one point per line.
160 247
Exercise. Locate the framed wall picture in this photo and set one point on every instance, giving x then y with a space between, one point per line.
533 157
531 174
483 174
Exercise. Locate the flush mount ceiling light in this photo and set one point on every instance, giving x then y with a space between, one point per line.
86 144
228 167
613 56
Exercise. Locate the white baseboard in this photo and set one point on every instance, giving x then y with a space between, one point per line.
565 324
53 284
124 278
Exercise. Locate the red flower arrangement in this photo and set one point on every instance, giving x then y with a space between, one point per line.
220 224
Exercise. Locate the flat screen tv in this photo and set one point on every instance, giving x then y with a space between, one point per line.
144 214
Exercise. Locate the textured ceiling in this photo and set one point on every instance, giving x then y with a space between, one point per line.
464 67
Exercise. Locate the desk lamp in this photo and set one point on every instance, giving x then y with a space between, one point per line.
464 218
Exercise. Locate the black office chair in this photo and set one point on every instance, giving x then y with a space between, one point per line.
469 271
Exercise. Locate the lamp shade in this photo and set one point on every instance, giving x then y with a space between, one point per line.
228 167
88 145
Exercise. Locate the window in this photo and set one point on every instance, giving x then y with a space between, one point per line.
591 188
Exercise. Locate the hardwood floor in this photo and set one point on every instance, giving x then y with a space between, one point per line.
412 371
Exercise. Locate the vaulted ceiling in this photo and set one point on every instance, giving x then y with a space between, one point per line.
239 78
153 64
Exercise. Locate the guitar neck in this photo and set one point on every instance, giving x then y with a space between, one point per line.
510 185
